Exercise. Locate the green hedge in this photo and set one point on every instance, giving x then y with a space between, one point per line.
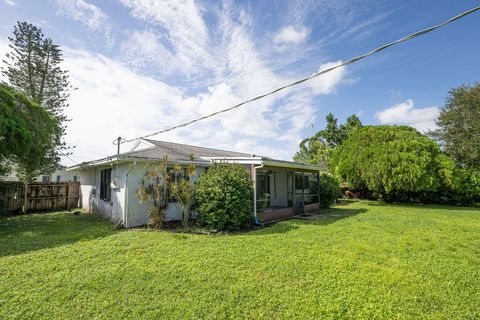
224 197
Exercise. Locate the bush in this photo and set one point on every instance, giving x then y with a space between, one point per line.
329 190
224 197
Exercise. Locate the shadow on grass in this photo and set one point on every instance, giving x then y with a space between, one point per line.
325 217
422 206
21 234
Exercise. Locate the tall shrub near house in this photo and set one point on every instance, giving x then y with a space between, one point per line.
224 197
183 190
329 190
153 188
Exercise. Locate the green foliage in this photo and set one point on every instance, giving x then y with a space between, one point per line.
459 126
392 161
329 190
33 68
154 188
366 260
315 151
224 197
335 135
183 190
466 189
318 149
27 133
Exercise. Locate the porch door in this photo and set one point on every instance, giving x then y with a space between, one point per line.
290 189
298 176
263 187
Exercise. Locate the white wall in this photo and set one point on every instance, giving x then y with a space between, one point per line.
137 212
90 189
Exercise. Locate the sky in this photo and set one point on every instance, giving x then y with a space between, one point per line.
140 66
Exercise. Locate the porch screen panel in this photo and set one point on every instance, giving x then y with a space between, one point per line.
310 188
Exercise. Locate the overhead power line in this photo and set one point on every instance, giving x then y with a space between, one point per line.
346 63
67 156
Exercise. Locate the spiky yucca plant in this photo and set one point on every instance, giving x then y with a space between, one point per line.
183 190
154 187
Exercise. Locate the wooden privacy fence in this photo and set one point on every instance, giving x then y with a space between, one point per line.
39 196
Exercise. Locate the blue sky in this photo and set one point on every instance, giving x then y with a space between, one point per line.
141 65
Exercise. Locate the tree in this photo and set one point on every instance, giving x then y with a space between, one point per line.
224 197
314 150
331 133
27 133
154 188
397 162
459 126
183 190
33 68
346 129
318 149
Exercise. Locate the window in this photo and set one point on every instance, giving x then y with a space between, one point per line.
44 178
58 178
105 191
75 178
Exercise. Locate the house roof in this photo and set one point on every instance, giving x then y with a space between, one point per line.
177 151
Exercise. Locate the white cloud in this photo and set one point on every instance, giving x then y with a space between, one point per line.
114 98
423 119
10 2
328 82
88 14
291 35
186 30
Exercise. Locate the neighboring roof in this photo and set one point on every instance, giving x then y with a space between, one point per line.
177 151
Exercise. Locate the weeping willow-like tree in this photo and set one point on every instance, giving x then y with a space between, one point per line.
393 161
27 132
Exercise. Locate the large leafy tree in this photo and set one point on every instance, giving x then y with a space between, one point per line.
393 161
33 68
27 133
459 126
318 149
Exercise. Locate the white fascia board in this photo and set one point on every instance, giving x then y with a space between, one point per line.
239 160
299 166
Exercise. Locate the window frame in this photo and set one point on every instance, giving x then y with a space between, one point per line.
105 189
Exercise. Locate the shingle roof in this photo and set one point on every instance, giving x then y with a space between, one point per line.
177 151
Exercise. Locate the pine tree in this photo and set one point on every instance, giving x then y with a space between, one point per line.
33 68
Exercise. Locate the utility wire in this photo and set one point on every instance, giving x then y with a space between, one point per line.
350 61
67 156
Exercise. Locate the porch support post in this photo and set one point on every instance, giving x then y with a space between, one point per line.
318 188
303 192
293 191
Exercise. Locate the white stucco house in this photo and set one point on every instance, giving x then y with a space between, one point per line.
108 185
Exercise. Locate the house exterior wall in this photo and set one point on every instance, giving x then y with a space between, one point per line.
90 192
137 212
123 195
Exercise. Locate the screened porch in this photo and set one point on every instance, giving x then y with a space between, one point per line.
285 192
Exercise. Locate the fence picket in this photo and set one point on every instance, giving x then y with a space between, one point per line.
38 196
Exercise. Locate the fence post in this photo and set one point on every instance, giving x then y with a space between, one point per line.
68 195
25 197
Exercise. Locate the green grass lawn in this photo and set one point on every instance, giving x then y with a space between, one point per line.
365 260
